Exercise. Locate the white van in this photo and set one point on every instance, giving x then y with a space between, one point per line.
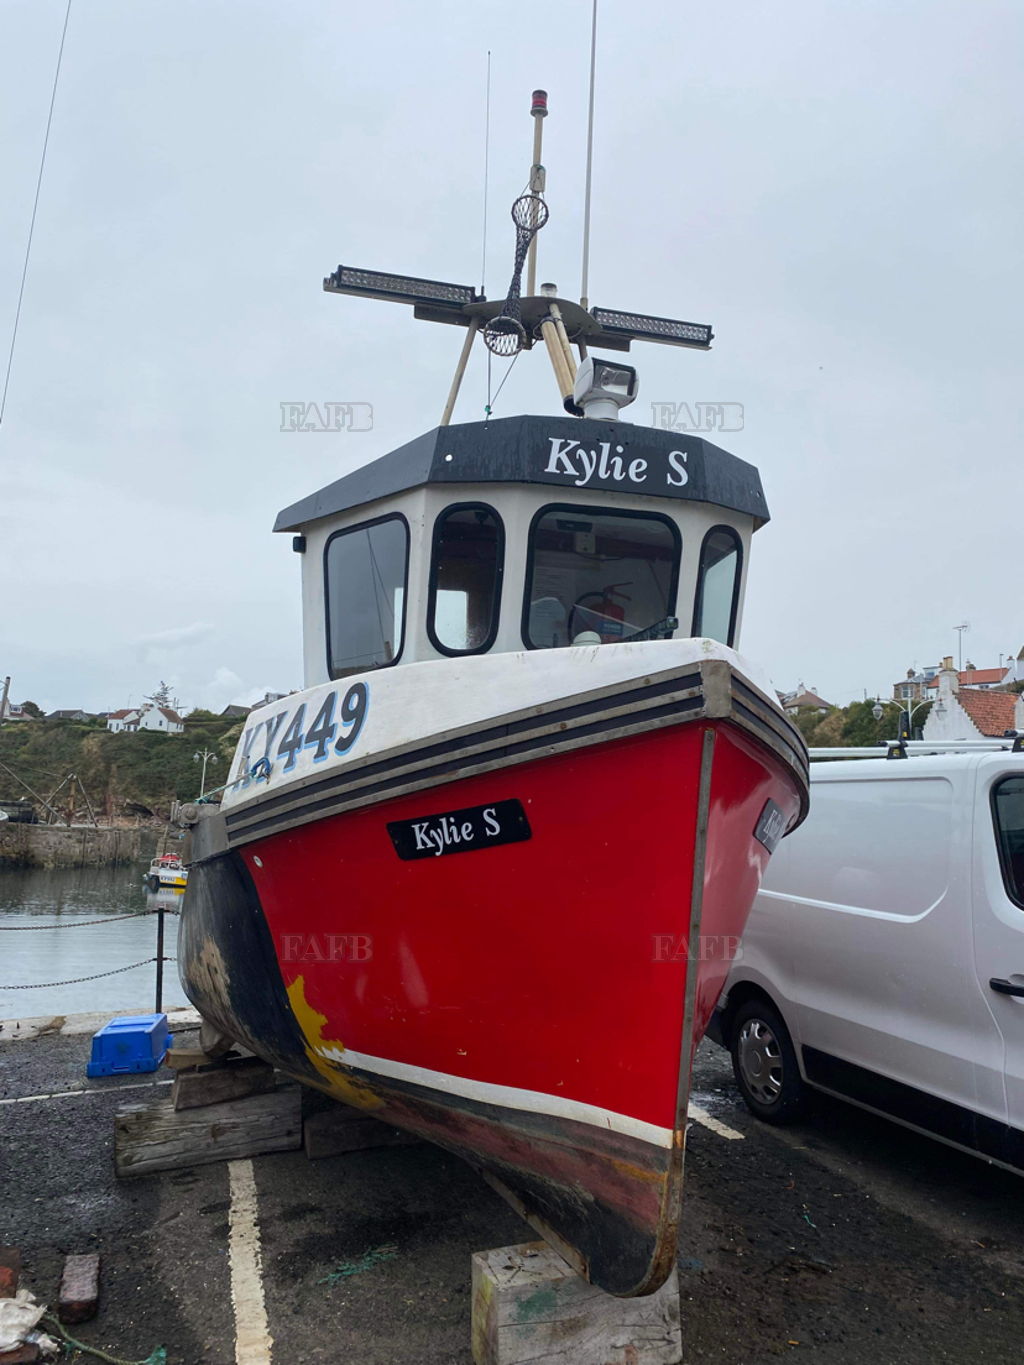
884 958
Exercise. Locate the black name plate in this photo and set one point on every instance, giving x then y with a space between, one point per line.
771 826
460 831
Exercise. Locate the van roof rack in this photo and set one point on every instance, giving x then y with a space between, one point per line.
1012 740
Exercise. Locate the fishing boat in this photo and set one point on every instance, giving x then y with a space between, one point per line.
520 641
167 870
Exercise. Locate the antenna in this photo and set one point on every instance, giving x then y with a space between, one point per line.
960 631
590 162
487 164
35 209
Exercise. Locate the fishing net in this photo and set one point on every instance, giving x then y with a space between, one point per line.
505 334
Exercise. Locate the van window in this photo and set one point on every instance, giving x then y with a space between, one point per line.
718 585
880 846
465 579
1008 809
365 571
598 577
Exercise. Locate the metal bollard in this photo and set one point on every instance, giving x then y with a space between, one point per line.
158 1007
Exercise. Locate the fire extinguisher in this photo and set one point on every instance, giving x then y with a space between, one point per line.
611 617
614 615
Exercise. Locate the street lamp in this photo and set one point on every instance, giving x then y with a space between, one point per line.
907 707
205 756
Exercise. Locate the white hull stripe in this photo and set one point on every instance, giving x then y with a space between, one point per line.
506 1096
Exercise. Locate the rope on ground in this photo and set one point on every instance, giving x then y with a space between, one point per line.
155 1357
83 923
74 981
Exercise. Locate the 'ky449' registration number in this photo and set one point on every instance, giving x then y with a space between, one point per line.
333 730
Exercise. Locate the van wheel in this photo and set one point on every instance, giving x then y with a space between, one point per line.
764 1063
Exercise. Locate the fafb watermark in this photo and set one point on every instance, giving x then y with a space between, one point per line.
326 948
697 416
326 416
705 948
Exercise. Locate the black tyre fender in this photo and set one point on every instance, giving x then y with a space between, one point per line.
764 1063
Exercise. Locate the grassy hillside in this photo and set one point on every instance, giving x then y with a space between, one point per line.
149 769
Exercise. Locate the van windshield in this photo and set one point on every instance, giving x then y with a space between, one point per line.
1008 810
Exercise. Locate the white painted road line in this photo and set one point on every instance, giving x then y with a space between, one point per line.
706 1121
96 1090
252 1331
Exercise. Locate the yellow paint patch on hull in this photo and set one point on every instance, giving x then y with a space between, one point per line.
312 1022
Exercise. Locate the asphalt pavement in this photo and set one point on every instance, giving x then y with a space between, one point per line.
843 1239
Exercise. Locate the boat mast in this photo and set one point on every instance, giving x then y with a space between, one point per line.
516 323
539 112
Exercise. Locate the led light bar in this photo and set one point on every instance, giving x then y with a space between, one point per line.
646 328
377 284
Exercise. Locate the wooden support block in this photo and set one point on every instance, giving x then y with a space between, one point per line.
10 1271
344 1129
79 1294
221 1081
529 1305
156 1137
180 1058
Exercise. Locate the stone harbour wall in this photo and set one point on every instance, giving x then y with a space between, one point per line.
58 846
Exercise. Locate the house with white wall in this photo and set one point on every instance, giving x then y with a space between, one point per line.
801 701
121 721
162 719
149 717
1014 672
961 712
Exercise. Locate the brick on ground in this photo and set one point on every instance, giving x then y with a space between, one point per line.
21 1355
79 1294
10 1271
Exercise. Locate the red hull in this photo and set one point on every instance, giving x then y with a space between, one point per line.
523 965
534 1005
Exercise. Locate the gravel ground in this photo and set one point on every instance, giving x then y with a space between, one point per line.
845 1239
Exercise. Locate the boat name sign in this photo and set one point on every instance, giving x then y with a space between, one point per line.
574 461
460 831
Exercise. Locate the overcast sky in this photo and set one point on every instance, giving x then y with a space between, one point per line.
835 187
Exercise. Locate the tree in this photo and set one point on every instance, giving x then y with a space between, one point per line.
828 733
162 695
861 729
31 709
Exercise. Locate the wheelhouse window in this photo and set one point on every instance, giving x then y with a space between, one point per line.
465 579
599 577
1008 810
365 571
718 585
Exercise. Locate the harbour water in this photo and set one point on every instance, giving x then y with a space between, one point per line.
44 938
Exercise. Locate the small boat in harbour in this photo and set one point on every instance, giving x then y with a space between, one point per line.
484 876
167 870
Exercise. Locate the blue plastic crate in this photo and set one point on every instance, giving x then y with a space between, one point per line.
134 1042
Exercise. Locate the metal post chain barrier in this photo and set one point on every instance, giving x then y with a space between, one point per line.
75 980
81 924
